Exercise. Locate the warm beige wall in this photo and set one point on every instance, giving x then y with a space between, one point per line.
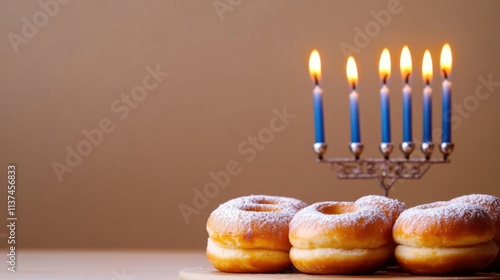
225 79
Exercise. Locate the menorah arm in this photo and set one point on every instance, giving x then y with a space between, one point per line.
384 171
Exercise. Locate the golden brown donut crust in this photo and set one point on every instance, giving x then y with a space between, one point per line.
247 260
490 204
445 261
444 238
340 261
341 225
340 238
250 234
443 224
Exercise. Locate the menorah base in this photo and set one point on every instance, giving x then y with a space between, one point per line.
384 171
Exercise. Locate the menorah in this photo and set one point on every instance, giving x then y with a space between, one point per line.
385 171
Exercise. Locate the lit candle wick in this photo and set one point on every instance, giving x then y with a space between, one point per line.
407 78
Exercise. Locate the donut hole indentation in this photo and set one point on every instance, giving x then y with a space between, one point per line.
337 209
265 202
261 208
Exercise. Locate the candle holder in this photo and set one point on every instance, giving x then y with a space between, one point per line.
407 148
427 148
386 149
446 149
385 171
320 149
356 149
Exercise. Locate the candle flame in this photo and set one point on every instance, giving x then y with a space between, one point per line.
384 66
315 66
446 60
427 67
352 72
405 64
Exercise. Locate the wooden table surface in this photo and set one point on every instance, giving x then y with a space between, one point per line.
154 265
90 265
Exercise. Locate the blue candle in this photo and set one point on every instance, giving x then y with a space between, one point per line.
354 106
318 115
427 120
315 71
405 64
446 62
446 137
427 97
407 115
352 78
385 114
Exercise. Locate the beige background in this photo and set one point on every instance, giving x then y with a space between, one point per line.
227 73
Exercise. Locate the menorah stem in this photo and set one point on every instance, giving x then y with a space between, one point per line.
386 192
385 183
384 187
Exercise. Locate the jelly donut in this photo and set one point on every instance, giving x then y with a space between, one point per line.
490 204
444 238
340 238
250 234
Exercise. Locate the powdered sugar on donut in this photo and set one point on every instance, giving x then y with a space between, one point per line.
340 238
314 212
288 202
442 237
443 224
446 211
490 203
339 225
391 207
244 222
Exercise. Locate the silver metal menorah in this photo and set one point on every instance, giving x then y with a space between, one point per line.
386 171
